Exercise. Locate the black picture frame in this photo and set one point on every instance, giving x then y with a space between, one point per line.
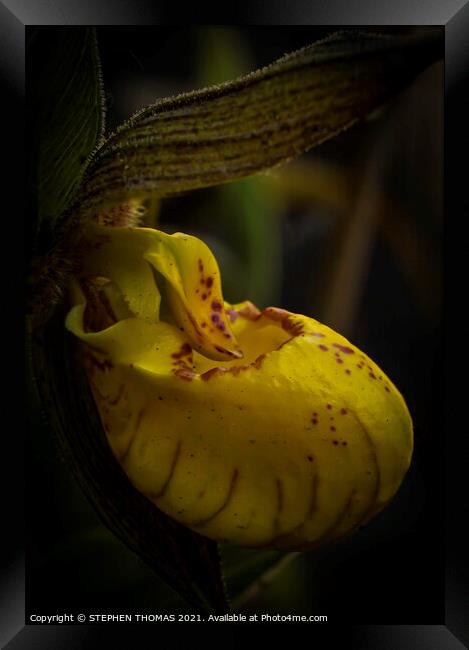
15 15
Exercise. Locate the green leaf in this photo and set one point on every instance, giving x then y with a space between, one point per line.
251 573
256 122
242 567
68 107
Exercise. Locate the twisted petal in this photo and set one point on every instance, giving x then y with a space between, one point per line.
191 282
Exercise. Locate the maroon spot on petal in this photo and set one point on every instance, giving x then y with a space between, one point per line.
184 351
221 326
285 318
323 347
332 428
216 306
212 372
343 411
194 324
201 266
314 421
294 328
343 348
258 362
340 360
185 374
236 370
250 311
204 296
348 372
203 325
310 458
318 334
372 375
335 442
215 318
328 406
275 313
227 336
344 443
387 389
209 282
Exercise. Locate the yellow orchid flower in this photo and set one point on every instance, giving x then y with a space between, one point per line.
260 428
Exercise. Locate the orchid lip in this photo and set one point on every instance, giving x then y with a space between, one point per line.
302 411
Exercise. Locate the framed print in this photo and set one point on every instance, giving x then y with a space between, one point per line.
235 377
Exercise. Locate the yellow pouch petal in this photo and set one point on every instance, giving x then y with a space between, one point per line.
296 445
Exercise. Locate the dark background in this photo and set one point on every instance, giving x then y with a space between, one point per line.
367 263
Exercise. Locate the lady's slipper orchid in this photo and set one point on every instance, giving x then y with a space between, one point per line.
258 428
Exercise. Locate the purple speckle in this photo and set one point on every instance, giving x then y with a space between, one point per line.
215 318
216 306
343 348
323 347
